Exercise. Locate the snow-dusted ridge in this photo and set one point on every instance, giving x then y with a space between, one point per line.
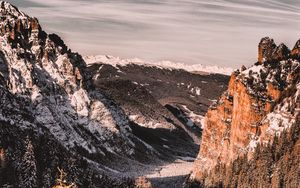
10 10
116 61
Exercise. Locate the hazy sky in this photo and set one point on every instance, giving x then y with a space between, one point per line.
209 32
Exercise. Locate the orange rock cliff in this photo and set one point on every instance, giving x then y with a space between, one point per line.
261 101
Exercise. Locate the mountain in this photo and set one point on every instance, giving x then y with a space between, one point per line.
251 135
103 124
139 88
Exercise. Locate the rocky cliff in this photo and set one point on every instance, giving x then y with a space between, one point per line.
54 85
260 103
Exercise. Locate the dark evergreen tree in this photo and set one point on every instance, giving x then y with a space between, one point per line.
27 176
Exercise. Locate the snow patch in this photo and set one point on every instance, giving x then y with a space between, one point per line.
193 117
80 101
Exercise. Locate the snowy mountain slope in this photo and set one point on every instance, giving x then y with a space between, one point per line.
30 154
42 69
139 89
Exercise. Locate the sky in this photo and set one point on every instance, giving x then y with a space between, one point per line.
209 32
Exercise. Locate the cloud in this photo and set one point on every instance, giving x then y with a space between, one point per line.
222 32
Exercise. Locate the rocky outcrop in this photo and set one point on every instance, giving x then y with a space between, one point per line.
281 52
260 103
296 49
266 48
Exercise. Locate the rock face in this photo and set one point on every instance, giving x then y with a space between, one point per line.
281 52
266 48
260 103
296 49
40 68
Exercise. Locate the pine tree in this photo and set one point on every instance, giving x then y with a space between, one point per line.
27 176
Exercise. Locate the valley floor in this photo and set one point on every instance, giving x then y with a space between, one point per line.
172 174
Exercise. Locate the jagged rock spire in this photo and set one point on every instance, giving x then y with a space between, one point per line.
19 29
296 49
268 50
281 52
265 49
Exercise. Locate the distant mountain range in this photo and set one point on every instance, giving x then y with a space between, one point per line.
196 68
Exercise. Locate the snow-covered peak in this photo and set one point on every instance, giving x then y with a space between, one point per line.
7 9
116 61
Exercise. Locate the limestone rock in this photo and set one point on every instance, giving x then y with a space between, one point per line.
265 49
296 49
260 103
